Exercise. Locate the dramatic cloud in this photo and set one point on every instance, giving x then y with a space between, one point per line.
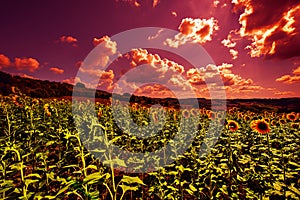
93 70
288 79
272 26
106 80
194 31
57 70
68 39
4 61
29 64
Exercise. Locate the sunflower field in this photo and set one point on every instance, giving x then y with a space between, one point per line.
43 155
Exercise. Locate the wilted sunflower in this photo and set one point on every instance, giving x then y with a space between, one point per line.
232 125
260 126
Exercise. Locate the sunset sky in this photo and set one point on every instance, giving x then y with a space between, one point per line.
255 44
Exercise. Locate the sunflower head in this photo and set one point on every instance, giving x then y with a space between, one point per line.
246 118
232 125
282 121
291 116
212 115
260 126
295 125
195 112
185 113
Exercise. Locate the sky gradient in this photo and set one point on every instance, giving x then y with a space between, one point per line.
255 44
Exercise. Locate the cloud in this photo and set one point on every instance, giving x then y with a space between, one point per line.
272 26
216 3
135 3
72 80
57 70
194 31
290 79
4 61
174 13
155 3
69 40
286 93
24 63
106 80
99 58
234 53
228 42
141 56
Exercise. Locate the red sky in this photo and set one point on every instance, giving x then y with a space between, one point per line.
255 44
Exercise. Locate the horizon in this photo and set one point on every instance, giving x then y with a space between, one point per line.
250 64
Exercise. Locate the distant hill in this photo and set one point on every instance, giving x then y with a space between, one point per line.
47 89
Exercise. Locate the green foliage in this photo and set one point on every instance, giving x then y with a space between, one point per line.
43 155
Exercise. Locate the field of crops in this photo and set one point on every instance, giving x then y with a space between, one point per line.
43 155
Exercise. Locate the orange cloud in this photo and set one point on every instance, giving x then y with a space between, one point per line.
296 71
57 70
135 3
288 79
228 42
155 3
29 64
72 80
4 61
234 53
141 56
273 27
154 91
68 39
174 13
194 31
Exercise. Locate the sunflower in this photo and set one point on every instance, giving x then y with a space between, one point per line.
240 115
155 117
295 125
246 118
212 115
260 126
195 112
291 116
273 122
186 113
282 121
232 125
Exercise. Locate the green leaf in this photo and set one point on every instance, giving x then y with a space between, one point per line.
65 188
115 161
131 180
293 163
126 188
95 177
192 188
33 175
293 189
